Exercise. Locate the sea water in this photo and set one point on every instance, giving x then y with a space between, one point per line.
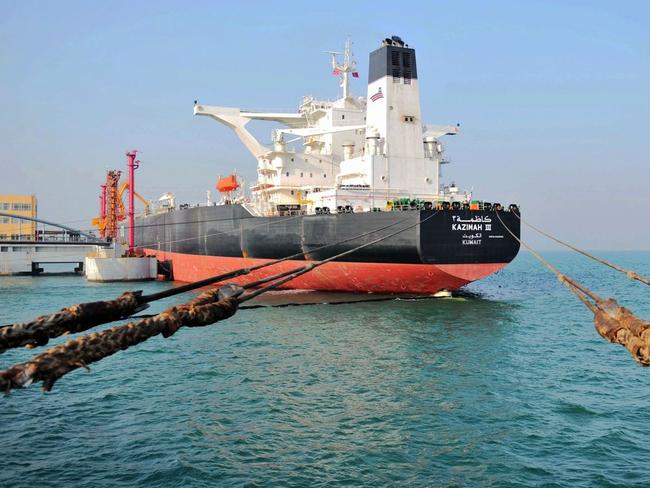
506 385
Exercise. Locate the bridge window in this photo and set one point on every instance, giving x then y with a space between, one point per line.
396 76
21 206
406 59
394 57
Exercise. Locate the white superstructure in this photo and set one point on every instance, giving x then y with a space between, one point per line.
358 154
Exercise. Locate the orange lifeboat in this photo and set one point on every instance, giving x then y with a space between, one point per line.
227 184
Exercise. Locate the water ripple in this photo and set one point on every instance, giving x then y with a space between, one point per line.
508 385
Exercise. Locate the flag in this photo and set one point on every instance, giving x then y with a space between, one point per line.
355 74
377 96
336 72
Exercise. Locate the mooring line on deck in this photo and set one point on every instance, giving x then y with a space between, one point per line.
614 323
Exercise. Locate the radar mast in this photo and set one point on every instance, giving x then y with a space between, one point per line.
344 70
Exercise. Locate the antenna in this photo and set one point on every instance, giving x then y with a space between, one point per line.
344 70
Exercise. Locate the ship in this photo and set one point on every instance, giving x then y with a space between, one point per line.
337 170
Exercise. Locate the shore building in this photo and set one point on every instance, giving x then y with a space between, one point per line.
15 229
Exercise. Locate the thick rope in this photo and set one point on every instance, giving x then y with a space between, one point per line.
76 318
614 323
292 274
576 288
209 307
84 316
245 271
629 273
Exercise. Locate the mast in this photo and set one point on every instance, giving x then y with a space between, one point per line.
344 70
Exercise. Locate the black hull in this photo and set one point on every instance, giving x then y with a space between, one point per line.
449 237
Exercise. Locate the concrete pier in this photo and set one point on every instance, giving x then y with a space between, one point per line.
109 265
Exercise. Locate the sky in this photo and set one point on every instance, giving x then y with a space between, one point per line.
553 97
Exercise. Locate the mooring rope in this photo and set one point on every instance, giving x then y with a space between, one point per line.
244 271
311 266
614 323
209 307
84 316
70 320
629 273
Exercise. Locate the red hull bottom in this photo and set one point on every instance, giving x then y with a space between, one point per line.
385 278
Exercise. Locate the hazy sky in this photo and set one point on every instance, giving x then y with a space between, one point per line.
553 97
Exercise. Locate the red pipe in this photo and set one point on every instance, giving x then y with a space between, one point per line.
102 209
133 165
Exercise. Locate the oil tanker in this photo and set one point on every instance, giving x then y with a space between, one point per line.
337 170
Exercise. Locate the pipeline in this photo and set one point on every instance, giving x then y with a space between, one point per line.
613 322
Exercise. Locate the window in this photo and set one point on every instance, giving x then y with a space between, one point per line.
396 76
301 175
394 56
406 59
5 206
325 175
408 118
21 206
311 175
407 77
342 116
287 173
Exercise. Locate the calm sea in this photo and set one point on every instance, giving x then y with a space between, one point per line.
508 385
